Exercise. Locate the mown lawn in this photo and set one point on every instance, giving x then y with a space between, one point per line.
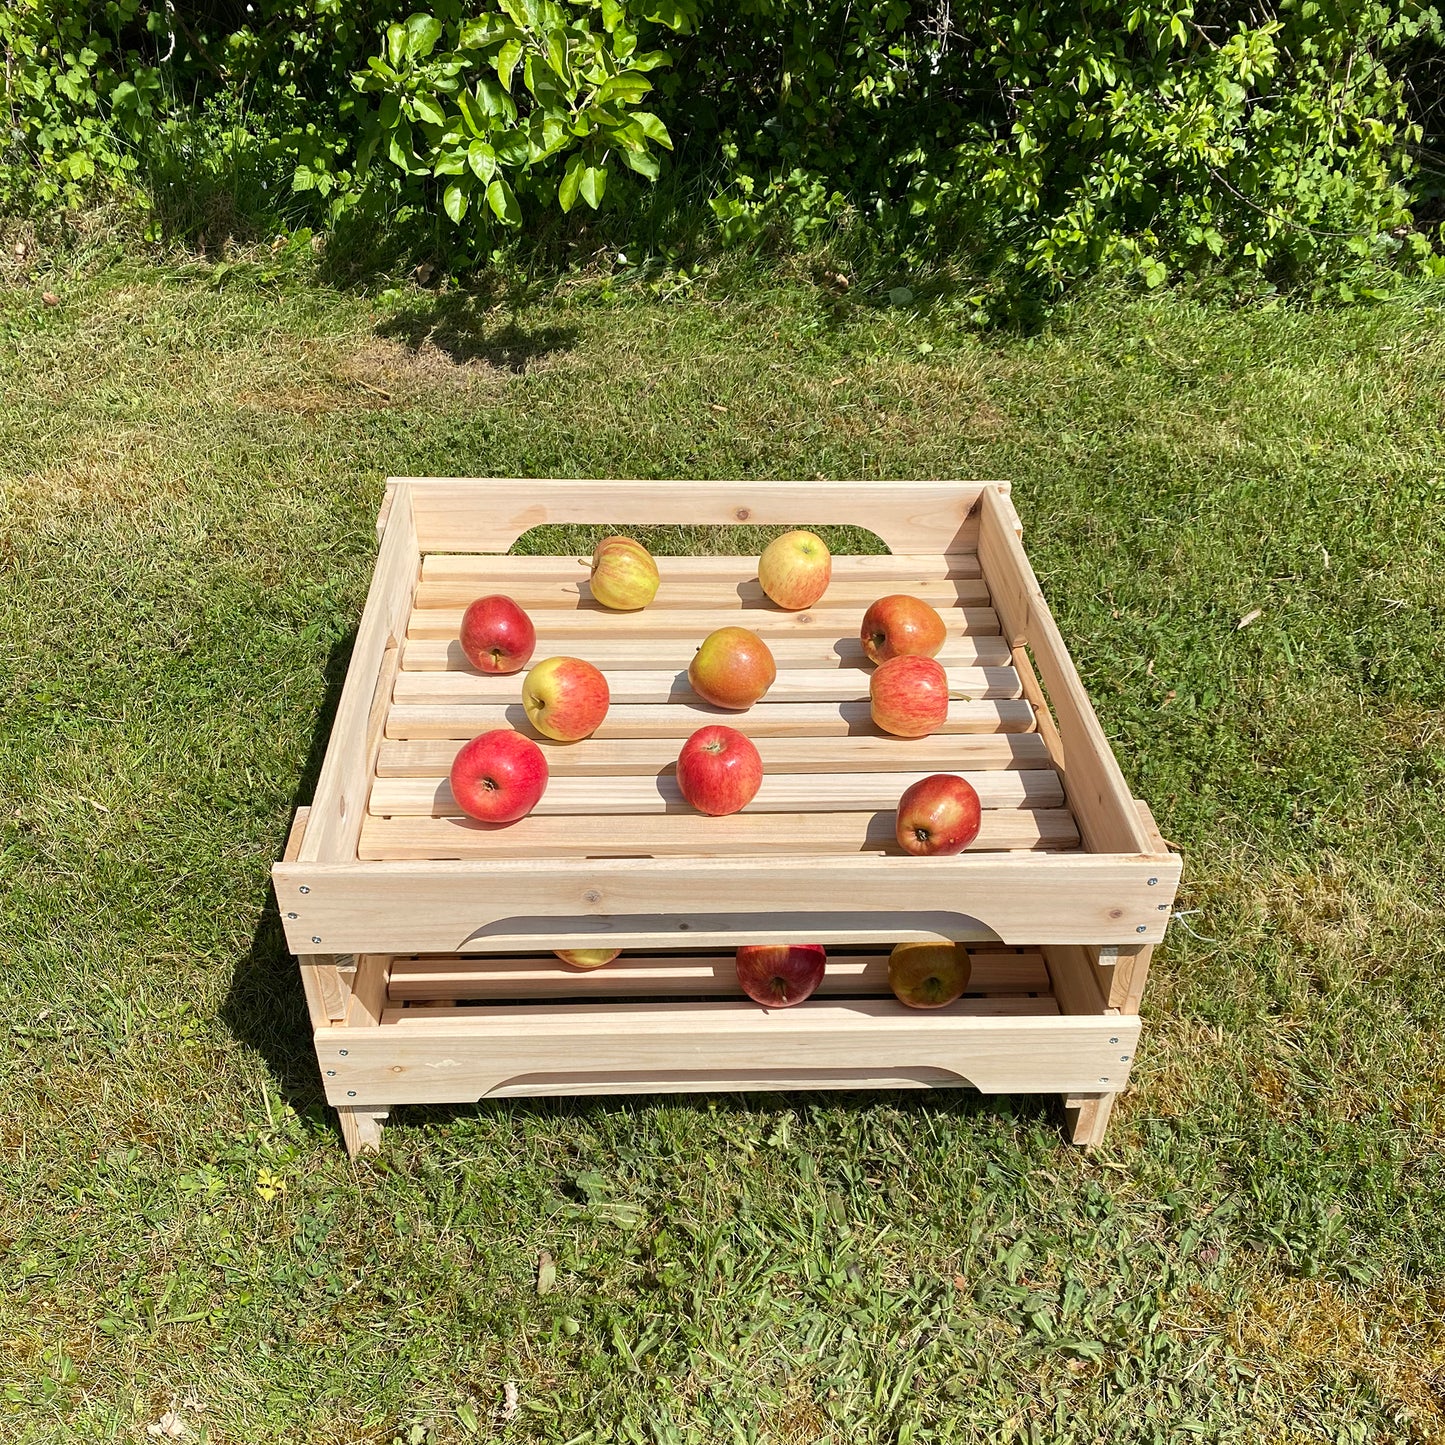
190 473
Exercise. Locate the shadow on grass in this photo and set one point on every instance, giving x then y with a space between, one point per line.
456 323
265 1006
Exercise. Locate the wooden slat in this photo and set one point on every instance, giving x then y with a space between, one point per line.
1100 798
885 571
681 719
488 514
574 594
568 631
650 654
621 757
321 981
669 834
508 905
442 689
853 974
346 771
779 793
453 1055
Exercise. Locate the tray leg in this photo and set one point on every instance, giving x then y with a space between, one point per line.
1086 1117
361 1128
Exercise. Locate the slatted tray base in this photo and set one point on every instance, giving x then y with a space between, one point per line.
832 780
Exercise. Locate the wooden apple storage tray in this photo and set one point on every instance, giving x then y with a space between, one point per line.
425 938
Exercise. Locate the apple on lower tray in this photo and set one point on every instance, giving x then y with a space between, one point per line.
587 958
929 975
779 975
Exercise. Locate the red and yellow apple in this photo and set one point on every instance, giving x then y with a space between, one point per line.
624 576
938 815
928 975
733 668
499 776
778 975
497 636
719 770
901 626
565 698
795 569
587 958
909 696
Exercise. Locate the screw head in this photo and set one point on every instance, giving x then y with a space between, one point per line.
316 937
290 915
1123 1058
342 1052
1142 928
1104 1081
1153 882
1113 1041
351 1093
331 1073
305 888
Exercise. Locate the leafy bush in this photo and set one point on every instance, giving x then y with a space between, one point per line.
1032 145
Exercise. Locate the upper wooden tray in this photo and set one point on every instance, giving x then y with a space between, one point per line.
612 853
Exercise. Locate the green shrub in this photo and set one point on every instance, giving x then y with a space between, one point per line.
1029 145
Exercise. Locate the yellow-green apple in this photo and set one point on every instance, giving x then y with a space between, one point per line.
565 698
909 696
587 957
733 668
624 576
497 636
928 975
938 815
719 770
795 569
778 975
499 776
901 626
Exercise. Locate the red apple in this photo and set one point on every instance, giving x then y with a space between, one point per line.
565 698
499 776
719 770
910 696
778 975
938 815
901 626
497 636
733 668
928 975
624 576
587 957
795 569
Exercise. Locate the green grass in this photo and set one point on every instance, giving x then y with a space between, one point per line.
190 475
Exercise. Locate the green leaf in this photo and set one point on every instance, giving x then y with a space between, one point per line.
454 202
450 163
628 87
649 60
557 55
427 109
503 201
506 62
512 148
422 34
396 45
399 147
482 159
567 191
652 127
593 185
494 100
643 162
612 15
473 116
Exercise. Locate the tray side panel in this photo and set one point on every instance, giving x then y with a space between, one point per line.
337 811
488 514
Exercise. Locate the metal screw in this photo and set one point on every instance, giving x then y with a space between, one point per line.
1113 1041
1123 1058
316 937
305 888
1163 908
331 1073
1153 882
1103 1081
1142 928
351 1093
290 915
342 1052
